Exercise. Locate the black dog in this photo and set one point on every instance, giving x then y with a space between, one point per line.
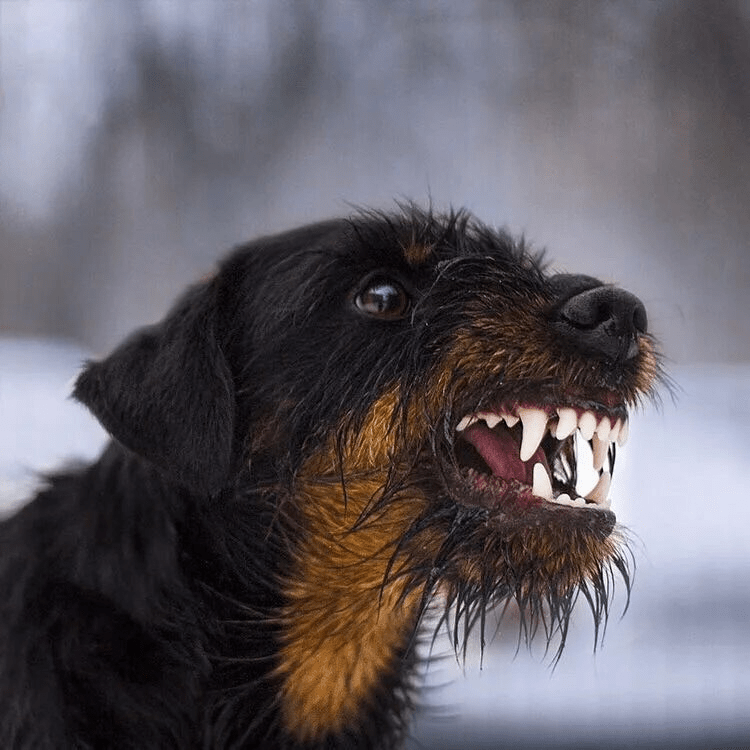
345 421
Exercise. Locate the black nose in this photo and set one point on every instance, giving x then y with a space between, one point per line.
600 320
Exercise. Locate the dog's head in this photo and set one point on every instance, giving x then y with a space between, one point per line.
420 376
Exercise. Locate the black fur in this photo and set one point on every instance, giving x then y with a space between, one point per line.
139 596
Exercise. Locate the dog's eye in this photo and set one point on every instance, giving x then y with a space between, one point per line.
383 298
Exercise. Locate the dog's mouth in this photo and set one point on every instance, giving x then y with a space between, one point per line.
523 456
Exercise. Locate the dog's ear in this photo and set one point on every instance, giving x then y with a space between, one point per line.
166 393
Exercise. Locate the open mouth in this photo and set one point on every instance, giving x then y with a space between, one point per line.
528 453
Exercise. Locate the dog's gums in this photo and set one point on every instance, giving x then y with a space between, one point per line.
349 427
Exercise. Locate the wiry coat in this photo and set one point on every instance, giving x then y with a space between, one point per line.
286 491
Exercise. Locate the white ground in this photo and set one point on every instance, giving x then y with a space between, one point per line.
675 670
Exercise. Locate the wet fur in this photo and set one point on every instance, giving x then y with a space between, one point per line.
273 450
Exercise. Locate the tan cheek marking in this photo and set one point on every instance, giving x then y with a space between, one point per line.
513 346
373 446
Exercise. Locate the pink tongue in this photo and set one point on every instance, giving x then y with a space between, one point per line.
499 449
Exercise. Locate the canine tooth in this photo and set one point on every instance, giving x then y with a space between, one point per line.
622 438
534 425
469 419
600 448
600 493
587 425
603 429
510 419
542 486
492 420
567 424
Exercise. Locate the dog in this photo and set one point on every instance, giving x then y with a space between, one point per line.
349 425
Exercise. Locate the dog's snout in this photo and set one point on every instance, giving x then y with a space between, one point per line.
602 320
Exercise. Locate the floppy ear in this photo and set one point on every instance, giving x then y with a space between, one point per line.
166 393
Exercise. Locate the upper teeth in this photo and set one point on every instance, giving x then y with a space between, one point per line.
587 425
567 423
490 418
600 431
534 423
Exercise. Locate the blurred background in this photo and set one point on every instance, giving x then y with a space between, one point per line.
141 139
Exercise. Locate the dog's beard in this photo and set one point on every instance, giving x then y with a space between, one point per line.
484 541
467 565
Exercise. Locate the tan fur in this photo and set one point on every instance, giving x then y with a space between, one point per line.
417 254
344 624
488 347
343 627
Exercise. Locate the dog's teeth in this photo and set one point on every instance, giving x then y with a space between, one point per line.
509 419
469 419
567 424
534 425
600 493
622 438
565 499
600 448
603 429
542 486
573 502
587 425
615 431
492 420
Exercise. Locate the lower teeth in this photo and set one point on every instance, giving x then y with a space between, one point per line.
597 498
565 499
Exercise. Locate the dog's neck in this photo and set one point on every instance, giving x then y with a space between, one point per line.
347 632
350 610
324 651
128 548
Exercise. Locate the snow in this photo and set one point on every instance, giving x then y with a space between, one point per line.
674 671
41 429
